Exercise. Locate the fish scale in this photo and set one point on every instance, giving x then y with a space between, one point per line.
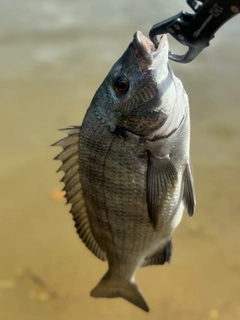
134 206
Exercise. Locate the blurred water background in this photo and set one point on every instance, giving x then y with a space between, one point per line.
53 56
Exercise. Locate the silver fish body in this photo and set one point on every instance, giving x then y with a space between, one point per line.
127 168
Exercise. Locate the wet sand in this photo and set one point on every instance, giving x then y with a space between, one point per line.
45 270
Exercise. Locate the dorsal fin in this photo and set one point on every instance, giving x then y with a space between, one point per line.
70 166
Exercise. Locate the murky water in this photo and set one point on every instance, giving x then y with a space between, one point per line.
53 56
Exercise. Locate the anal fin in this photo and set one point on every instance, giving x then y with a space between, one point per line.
161 257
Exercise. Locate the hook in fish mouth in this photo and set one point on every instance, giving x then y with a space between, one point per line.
145 50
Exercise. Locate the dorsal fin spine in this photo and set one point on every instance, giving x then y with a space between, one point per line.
74 195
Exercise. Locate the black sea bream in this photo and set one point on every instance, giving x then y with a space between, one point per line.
127 168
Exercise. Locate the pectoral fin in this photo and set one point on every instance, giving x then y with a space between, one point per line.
161 181
188 191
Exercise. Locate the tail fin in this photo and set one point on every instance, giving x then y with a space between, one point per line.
129 291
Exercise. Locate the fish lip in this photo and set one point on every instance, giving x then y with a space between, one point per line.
145 51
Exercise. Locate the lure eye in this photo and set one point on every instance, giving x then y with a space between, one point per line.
121 85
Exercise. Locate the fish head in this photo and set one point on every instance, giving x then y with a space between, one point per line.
133 95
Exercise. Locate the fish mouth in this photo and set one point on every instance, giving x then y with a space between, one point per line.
145 51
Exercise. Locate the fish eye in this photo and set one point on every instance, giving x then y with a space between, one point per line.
121 85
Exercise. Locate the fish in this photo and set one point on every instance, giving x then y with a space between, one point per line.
127 168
